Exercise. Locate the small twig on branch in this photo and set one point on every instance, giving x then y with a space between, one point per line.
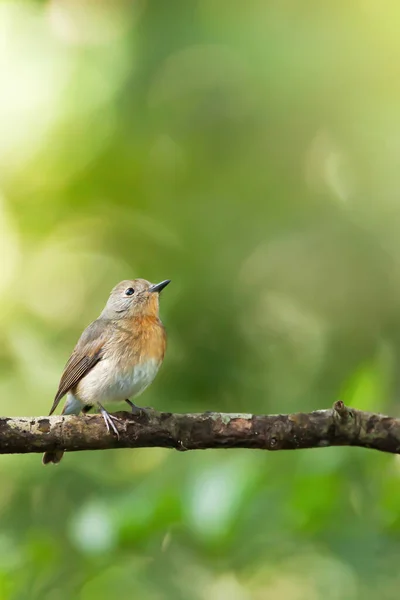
339 426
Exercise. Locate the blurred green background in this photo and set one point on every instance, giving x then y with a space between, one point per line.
249 151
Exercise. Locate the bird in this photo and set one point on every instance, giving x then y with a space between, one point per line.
117 356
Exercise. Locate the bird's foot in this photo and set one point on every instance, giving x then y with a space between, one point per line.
136 410
109 421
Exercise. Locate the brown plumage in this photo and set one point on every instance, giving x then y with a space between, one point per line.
117 356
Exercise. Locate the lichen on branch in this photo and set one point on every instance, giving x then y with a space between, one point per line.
339 426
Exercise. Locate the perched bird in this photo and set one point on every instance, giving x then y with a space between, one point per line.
116 357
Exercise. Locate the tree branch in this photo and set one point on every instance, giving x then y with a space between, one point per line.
339 426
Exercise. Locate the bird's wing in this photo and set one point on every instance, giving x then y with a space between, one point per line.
88 352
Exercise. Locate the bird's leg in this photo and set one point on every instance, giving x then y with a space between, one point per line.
86 409
136 410
109 420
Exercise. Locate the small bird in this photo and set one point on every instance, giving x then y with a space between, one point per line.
117 356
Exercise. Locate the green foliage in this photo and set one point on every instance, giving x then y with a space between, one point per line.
249 152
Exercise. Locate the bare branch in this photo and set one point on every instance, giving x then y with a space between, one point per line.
339 426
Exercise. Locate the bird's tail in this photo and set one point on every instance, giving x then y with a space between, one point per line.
71 407
52 457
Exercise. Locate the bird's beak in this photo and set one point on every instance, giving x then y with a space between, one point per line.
157 287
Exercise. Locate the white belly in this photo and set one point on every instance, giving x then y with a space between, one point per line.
106 383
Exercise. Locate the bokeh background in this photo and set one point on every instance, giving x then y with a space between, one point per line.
249 151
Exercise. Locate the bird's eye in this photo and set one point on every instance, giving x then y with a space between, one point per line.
129 292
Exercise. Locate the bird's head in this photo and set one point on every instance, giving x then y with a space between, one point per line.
134 297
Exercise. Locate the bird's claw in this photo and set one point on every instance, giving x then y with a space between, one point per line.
109 421
137 410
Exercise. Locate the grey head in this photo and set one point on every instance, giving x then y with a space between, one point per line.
134 298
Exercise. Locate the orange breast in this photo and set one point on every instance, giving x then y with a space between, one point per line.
146 340
154 339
